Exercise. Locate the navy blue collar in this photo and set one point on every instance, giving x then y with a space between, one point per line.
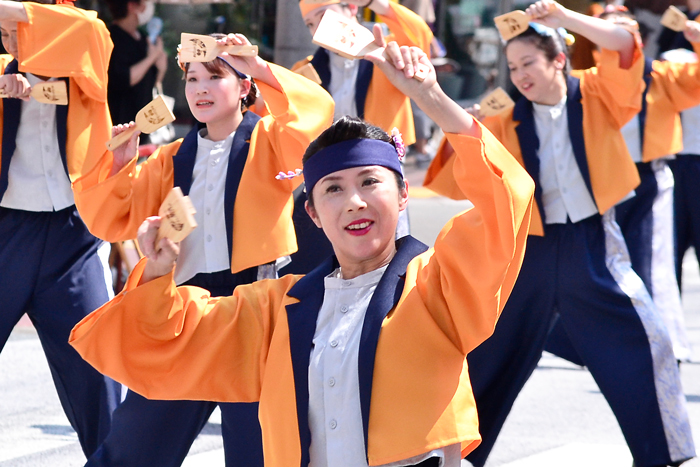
302 317
184 160
321 63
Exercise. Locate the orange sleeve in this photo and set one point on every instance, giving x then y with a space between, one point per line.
407 28
298 115
64 41
619 90
679 82
478 254
113 208
168 342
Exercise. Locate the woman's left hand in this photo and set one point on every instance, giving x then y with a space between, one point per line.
162 255
399 64
252 66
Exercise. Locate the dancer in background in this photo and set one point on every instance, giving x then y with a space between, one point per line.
51 265
566 132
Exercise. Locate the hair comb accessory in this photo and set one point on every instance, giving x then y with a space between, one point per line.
543 30
65 2
398 142
289 175
180 63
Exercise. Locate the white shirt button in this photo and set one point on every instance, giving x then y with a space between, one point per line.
564 190
208 211
334 343
209 238
46 148
331 382
49 173
210 187
213 163
333 424
347 283
344 309
44 124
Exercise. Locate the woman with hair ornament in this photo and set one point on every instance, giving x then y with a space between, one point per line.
362 361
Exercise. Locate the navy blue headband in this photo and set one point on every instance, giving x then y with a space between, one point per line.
349 154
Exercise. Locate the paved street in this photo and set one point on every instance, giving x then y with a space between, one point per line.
560 418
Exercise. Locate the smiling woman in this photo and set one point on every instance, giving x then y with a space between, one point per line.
362 361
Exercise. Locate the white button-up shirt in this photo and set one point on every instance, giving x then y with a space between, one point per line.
632 139
564 191
206 248
37 178
690 120
342 86
335 416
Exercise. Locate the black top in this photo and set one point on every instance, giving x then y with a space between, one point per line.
125 100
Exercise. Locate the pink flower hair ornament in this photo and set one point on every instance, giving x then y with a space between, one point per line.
398 142
289 175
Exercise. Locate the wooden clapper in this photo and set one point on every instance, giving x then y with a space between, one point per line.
49 92
512 24
308 71
674 19
350 39
153 116
496 102
177 217
201 48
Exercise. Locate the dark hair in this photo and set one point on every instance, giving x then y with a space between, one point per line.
220 66
119 8
551 45
344 129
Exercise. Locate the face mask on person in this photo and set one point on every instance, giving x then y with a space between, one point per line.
147 13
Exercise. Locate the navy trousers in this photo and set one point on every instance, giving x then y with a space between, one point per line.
51 271
686 172
635 218
565 271
147 433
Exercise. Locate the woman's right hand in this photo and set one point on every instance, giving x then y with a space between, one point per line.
15 85
162 256
123 154
547 12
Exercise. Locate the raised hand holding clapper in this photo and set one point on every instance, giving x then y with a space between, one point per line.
349 39
200 48
154 115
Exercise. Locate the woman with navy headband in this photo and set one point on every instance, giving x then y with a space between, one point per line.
244 217
362 361
565 130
